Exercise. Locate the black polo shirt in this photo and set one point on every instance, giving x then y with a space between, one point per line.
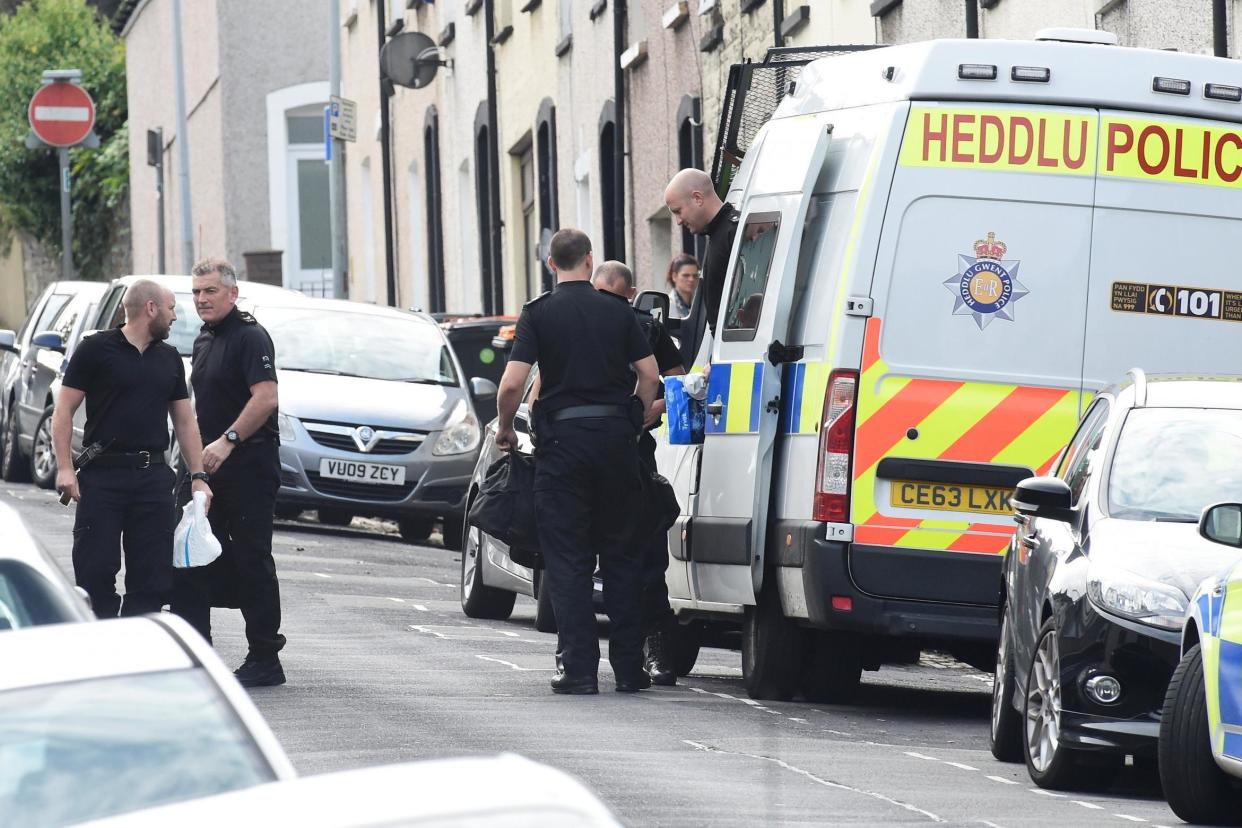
229 357
584 343
127 390
720 233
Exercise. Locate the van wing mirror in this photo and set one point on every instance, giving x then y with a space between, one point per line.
1044 497
1222 523
653 302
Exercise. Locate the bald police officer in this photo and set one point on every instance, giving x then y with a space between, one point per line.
587 483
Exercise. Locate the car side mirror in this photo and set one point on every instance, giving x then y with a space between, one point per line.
653 302
1044 497
50 340
481 388
1222 523
8 341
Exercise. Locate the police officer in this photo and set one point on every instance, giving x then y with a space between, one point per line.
616 279
692 200
586 459
234 379
131 381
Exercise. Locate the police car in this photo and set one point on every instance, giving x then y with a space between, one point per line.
944 250
1201 725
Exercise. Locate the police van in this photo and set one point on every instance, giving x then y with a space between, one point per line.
943 250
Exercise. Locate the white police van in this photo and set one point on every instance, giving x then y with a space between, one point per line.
944 248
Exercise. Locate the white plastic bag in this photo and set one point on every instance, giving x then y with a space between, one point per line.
696 386
193 542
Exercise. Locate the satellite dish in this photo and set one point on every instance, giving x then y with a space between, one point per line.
410 59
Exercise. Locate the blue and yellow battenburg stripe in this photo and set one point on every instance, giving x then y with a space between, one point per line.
739 385
1221 649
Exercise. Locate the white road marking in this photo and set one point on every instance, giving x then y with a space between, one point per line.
799 721
838 732
320 575
1129 818
1002 780
816 779
921 756
1090 805
397 600
433 583
992 824
419 607
516 667
961 766
1042 792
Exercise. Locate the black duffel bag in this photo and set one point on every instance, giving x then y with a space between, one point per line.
660 509
505 507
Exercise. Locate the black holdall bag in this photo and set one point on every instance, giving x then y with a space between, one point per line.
505 507
659 500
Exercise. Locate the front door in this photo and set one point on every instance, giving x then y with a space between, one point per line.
744 388
308 261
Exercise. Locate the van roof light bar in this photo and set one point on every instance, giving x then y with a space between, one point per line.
1170 86
1140 386
1221 92
1030 74
976 71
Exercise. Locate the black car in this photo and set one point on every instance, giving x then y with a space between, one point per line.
471 339
1100 572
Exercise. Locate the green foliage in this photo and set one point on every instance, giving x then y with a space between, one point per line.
63 34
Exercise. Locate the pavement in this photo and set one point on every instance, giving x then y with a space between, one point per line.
384 667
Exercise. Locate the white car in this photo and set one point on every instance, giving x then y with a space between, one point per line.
98 720
33 590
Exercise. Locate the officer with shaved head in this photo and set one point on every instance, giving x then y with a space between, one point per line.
132 381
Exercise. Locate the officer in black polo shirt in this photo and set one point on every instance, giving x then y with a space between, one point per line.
616 279
234 378
586 459
132 381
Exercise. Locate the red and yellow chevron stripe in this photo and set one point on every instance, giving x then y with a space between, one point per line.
962 421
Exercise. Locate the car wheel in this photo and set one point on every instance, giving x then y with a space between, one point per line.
1005 737
545 618
43 459
452 531
415 530
687 640
478 600
771 650
1050 763
1197 789
13 467
335 517
832 669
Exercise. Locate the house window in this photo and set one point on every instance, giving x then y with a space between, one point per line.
545 149
608 180
436 288
493 289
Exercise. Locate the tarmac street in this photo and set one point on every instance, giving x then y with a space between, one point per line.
384 667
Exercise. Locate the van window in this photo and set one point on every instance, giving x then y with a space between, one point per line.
750 276
822 253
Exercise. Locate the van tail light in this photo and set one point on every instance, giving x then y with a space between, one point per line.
836 449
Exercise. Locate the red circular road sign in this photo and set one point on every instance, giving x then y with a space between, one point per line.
62 114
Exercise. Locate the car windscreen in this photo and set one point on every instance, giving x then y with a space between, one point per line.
358 344
27 599
1170 463
91 749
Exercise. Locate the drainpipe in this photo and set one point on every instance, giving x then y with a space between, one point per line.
493 152
385 91
972 18
1220 29
778 17
618 91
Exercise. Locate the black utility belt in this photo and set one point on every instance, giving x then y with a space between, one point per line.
582 412
129 459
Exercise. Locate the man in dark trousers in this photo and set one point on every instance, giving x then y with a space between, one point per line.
131 381
692 200
234 379
616 279
586 459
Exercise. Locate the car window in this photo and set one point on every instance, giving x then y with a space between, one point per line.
112 313
91 749
185 329
1171 463
1082 457
750 276
47 315
27 599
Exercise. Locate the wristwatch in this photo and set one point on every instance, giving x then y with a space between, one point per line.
233 437
203 476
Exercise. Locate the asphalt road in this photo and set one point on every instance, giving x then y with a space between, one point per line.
384 667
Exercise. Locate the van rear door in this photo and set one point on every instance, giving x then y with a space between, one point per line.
744 389
1166 294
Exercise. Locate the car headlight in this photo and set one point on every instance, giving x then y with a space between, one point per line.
285 422
460 435
1132 596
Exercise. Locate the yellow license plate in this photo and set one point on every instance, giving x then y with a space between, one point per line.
951 497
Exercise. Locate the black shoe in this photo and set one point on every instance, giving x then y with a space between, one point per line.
566 685
639 681
262 672
656 664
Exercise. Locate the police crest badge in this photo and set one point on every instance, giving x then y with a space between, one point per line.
986 285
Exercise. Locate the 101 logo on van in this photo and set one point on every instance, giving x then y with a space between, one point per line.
986 285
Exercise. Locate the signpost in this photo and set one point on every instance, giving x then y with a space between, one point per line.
62 115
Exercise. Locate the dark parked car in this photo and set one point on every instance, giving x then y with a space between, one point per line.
471 338
1100 573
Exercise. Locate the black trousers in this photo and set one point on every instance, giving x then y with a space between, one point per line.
653 545
586 492
131 508
244 576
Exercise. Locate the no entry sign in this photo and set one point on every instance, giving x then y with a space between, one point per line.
62 114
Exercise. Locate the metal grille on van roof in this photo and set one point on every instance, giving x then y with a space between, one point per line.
753 92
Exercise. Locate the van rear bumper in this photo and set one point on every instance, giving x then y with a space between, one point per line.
825 569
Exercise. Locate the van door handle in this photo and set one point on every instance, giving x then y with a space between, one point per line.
715 408
1029 541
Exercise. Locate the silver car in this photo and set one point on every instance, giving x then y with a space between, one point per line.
376 416
33 590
